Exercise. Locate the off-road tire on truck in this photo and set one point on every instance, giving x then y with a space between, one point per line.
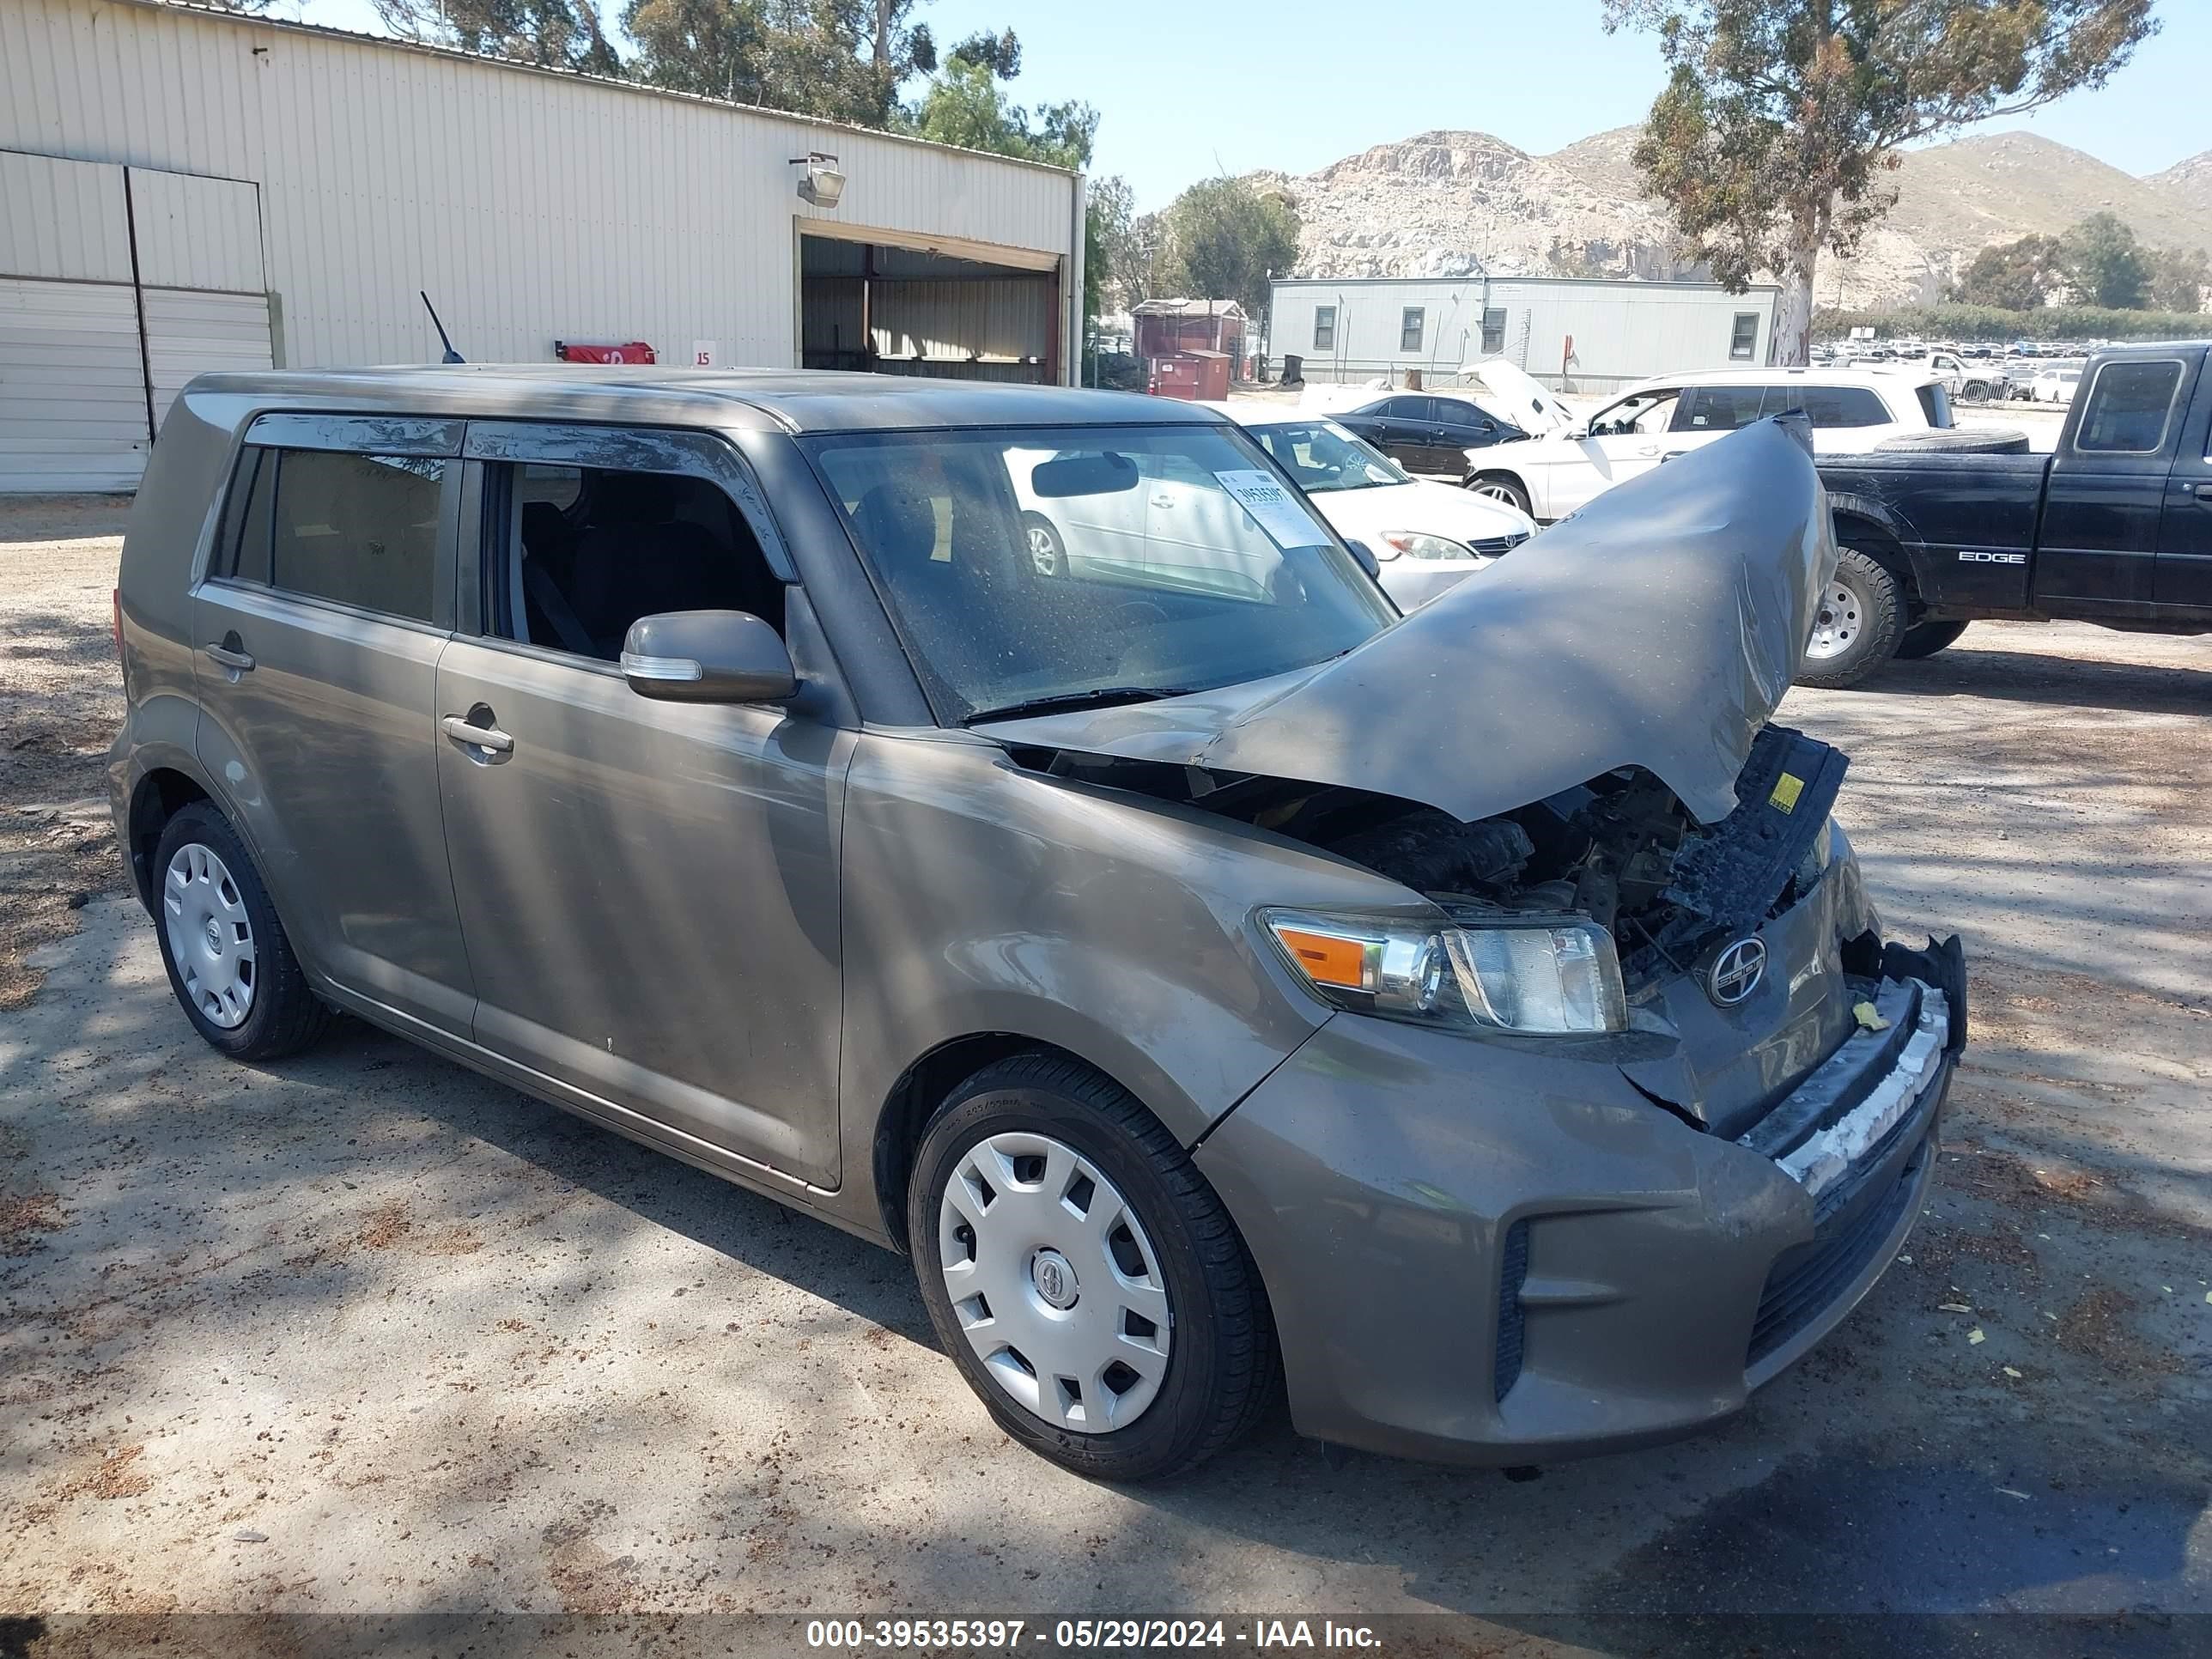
1865 606
1926 639
1501 487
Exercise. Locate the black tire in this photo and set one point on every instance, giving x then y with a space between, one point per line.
1877 622
1502 486
1221 1372
1048 552
284 1015
1926 639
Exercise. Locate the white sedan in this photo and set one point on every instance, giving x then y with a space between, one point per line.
1426 535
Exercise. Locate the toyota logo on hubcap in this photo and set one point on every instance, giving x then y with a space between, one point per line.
1737 972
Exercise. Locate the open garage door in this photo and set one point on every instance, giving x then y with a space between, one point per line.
962 311
117 285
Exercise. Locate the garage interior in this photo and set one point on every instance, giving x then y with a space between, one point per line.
964 311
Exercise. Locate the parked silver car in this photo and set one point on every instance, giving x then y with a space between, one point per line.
1475 1021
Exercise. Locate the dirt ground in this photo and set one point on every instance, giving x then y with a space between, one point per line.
365 1334
60 701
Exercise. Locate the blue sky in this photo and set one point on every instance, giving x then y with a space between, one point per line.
1187 88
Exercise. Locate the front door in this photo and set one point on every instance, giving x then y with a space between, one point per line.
1622 442
2184 541
327 600
649 890
2108 504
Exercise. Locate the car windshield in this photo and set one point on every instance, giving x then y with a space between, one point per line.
1321 456
1028 569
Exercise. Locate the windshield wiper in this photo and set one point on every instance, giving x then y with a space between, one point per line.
1103 696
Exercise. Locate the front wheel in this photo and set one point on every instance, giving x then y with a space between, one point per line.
1047 553
1082 1275
1856 628
1926 639
1500 487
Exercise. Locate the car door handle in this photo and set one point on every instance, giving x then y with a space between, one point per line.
462 730
1648 449
2204 492
238 661
1162 500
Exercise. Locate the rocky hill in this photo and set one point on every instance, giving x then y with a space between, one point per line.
2191 180
1437 203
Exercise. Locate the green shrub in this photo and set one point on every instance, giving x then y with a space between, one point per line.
1963 322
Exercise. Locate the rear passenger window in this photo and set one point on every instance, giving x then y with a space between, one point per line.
361 530
1718 408
243 553
574 554
1832 406
2128 409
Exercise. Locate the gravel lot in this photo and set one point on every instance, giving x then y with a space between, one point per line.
365 1333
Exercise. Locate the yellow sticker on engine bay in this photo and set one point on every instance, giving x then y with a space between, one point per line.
1787 788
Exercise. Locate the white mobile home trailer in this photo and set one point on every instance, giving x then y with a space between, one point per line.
1571 333
183 189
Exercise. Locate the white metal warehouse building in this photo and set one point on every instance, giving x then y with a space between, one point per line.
1573 333
183 190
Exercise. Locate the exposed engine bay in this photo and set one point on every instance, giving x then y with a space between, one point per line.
1619 849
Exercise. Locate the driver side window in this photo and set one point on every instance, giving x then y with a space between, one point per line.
573 555
1644 415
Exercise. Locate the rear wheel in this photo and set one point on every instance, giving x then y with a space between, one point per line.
1501 487
1926 639
1855 629
228 960
1082 1275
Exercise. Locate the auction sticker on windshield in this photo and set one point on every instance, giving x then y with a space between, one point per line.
1269 501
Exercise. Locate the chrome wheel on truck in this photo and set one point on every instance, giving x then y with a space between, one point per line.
1837 626
1059 1291
1856 625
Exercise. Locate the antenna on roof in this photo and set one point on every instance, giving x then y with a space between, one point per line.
445 340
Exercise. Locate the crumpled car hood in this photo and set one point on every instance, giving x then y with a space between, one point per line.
1657 627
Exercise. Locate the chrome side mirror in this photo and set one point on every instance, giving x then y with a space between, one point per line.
708 656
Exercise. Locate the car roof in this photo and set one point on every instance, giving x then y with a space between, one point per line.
1252 412
791 400
1874 376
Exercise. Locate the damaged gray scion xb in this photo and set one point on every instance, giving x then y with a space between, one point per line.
1474 1020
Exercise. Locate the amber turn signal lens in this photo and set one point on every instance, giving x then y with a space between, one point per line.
1325 958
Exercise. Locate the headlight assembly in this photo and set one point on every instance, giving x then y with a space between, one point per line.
1537 976
1414 545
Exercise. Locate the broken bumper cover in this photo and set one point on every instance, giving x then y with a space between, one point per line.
1527 1261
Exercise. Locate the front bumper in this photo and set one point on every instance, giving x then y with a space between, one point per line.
1529 1260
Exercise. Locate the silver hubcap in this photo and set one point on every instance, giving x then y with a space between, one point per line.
1044 554
1057 1289
209 937
1496 492
1842 616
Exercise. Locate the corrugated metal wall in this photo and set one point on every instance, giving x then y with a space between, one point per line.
1622 331
532 206
987 317
62 220
83 326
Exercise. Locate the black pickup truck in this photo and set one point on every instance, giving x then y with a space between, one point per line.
2114 527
